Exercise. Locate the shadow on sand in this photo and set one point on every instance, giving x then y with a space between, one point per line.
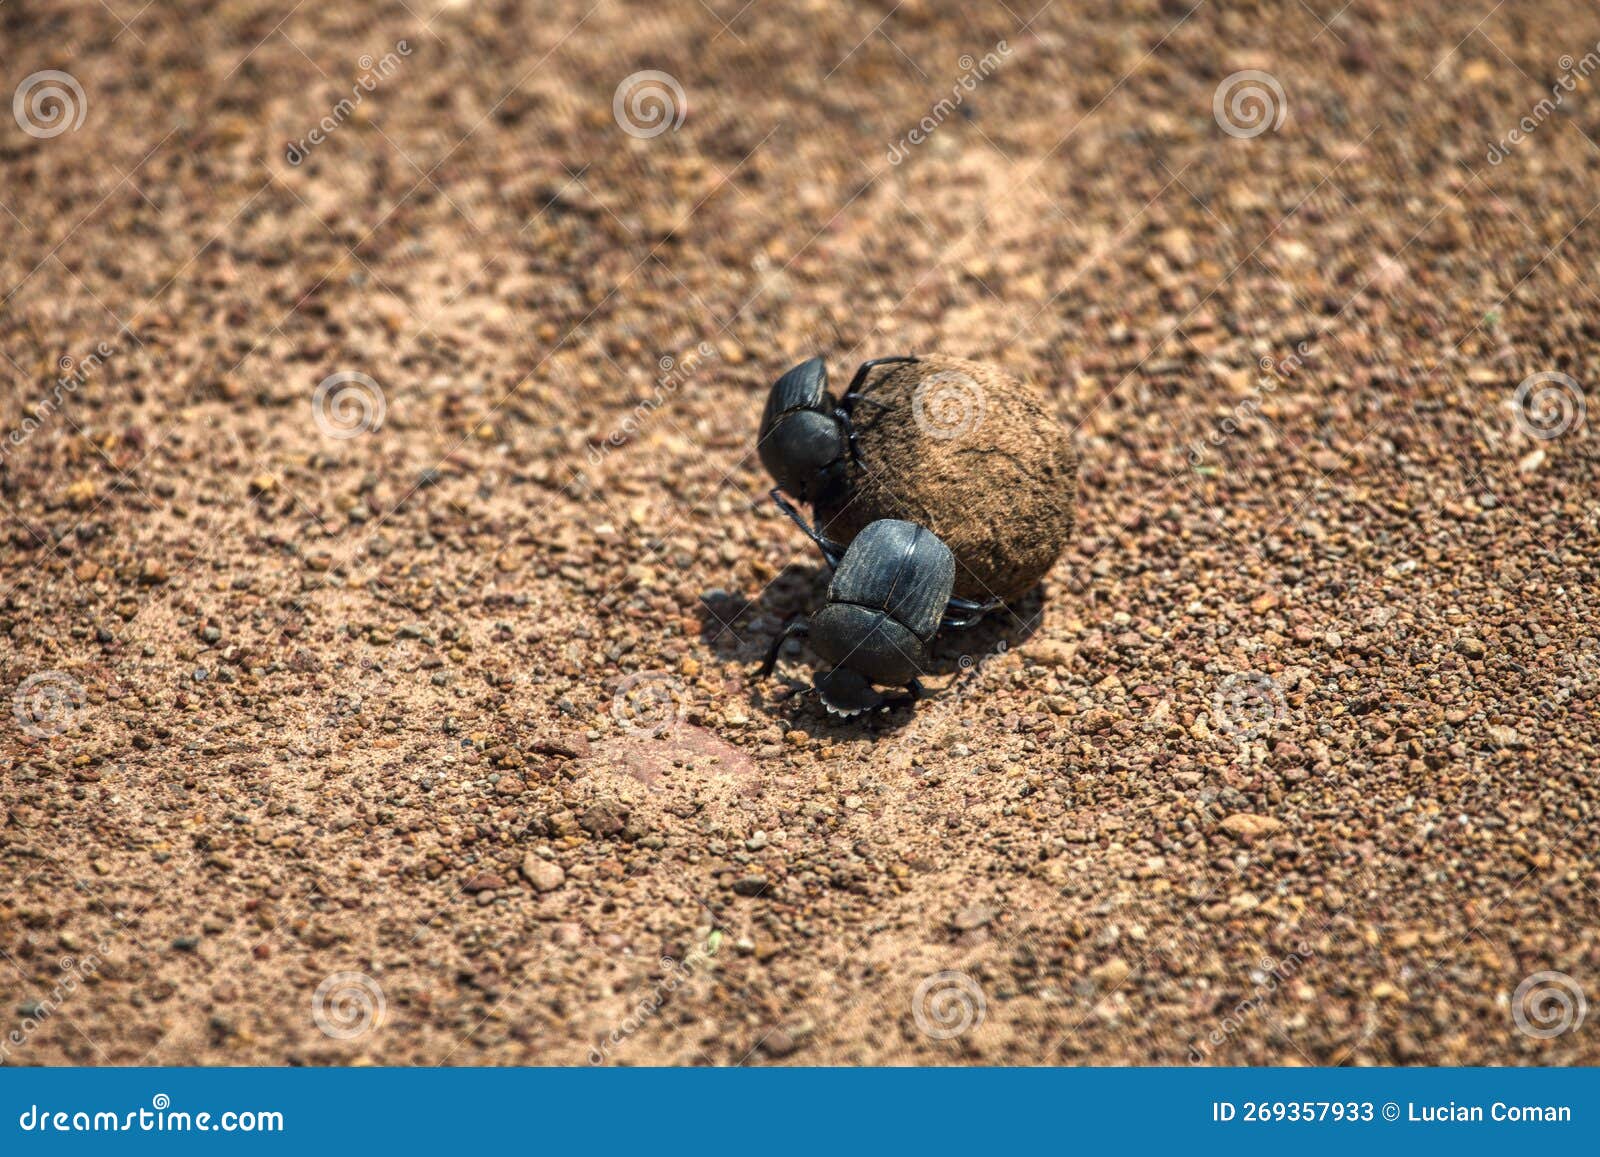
741 628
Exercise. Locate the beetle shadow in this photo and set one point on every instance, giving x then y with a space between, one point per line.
739 629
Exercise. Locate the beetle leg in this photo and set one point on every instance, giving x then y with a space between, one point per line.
850 436
854 393
857 393
959 622
845 419
832 552
914 691
795 626
963 613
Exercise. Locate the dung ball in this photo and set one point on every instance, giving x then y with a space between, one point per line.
973 454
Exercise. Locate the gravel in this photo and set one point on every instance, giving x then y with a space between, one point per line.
1291 760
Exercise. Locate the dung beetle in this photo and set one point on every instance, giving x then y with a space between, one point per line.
889 597
958 613
805 434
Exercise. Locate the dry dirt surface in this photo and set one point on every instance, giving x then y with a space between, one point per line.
385 554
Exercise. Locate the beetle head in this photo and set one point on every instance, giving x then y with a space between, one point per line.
847 693
802 442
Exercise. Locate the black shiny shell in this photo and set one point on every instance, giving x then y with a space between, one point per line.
805 387
867 641
899 568
800 439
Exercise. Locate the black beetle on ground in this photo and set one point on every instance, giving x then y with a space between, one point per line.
805 435
889 596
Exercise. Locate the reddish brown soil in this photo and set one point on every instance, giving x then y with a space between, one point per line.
1292 759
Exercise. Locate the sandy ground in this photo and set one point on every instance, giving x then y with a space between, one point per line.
429 736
